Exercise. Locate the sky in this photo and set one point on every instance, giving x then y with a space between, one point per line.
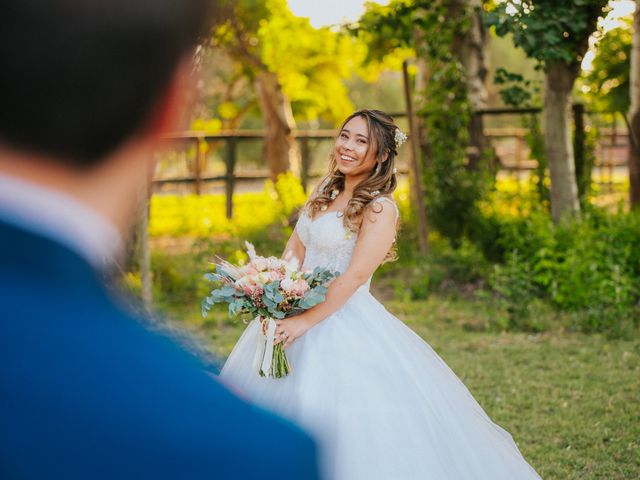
620 8
329 12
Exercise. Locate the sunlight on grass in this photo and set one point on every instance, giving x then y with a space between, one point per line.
571 401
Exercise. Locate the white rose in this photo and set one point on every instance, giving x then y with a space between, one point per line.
287 285
273 263
260 263
292 263
262 278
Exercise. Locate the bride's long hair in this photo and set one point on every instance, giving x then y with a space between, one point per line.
382 180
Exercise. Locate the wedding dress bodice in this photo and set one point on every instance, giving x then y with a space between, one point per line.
327 242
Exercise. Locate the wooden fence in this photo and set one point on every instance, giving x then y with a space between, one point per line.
510 143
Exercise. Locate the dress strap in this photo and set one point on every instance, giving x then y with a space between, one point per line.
387 200
323 184
319 188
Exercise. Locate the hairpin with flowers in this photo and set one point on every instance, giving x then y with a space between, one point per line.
400 137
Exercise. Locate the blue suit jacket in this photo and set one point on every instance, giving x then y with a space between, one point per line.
88 392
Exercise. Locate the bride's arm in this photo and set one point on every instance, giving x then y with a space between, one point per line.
375 238
295 247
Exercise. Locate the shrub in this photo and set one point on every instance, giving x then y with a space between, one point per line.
587 266
585 270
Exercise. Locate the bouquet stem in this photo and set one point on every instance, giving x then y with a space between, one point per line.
271 359
280 366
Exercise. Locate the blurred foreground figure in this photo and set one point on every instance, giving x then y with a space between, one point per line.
86 391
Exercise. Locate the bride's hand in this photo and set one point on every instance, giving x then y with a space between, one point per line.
290 329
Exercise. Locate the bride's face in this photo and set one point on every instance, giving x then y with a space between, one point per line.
355 151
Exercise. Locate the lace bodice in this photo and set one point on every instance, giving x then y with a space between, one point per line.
327 243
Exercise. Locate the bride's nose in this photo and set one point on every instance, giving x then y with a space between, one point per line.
348 145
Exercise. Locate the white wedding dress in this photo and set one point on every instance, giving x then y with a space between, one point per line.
380 402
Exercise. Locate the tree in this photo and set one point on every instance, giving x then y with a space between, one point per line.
297 70
634 113
449 40
239 37
607 82
555 33
607 87
470 48
225 92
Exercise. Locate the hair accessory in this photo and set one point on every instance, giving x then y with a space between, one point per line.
375 193
334 193
395 170
323 208
400 137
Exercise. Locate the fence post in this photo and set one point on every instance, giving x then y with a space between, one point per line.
199 162
306 161
230 163
583 171
518 162
610 156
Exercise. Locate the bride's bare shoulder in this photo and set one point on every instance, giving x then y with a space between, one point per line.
383 211
382 202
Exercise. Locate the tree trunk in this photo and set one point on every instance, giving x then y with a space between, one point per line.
634 113
280 149
416 166
420 93
559 81
583 162
471 50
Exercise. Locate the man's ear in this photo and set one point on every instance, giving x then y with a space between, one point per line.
172 105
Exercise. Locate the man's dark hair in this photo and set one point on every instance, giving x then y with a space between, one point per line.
79 77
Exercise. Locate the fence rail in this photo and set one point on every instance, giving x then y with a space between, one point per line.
510 144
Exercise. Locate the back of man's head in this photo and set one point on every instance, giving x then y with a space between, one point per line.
80 77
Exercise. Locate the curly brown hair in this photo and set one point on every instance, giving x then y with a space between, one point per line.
382 180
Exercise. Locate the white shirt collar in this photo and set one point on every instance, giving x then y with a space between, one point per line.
59 217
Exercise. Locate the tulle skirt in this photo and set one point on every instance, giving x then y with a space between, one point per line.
379 401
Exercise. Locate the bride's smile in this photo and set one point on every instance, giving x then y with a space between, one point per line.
353 150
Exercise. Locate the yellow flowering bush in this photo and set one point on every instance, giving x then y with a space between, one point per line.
205 215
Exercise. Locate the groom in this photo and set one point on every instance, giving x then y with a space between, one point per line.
86 390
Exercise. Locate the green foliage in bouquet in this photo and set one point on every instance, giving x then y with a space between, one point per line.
271 303
267 289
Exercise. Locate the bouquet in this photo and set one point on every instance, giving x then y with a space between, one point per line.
267 289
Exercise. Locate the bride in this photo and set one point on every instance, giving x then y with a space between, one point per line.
381 403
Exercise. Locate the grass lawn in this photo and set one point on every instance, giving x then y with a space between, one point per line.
570 400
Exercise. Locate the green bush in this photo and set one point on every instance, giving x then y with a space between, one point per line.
583 273
446 269
588 266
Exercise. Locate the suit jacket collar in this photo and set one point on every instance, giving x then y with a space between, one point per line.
57 215
23 252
